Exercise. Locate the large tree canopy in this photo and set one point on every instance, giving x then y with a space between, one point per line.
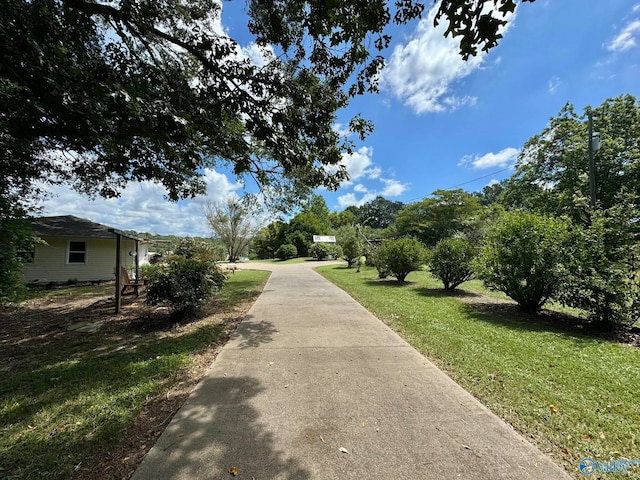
552 172
100 93
440 216
378 213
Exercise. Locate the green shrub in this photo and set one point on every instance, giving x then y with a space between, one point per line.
451 261
319 251
603 268
186 281
16 238
351 247
400 257
335 251
286 251
523 257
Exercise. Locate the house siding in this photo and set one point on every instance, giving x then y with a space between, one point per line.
50 262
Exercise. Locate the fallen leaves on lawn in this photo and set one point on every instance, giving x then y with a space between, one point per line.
233 471
586 437
553 408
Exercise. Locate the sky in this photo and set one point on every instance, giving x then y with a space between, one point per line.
440 122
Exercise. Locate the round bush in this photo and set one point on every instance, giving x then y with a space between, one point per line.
523 257
286 251
451 261
319 251
400 257
186 281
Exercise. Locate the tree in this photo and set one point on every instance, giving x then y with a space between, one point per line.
401 257
233 223
314 219
379 213
440 216
603 265
16 237
523 257
451 260
492 193
97 94
345 218
552 170
269 238
317 206
352 249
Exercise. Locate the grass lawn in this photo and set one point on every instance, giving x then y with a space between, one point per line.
66 398
573 395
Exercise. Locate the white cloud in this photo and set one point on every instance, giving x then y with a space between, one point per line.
627 38
359 164
502 158
374 172
393 188
422 72
349 199
259 56
142 207
554 83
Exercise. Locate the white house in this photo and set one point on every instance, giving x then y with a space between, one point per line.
79 249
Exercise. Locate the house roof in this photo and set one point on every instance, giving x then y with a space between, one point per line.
70 226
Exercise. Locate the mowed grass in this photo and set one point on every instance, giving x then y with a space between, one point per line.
573 395
72 400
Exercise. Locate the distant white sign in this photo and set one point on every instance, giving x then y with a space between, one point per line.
324 239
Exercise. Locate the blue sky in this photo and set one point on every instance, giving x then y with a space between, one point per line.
439 122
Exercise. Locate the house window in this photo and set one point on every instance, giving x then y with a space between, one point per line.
77 252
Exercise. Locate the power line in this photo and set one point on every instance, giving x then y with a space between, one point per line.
480 178
468 181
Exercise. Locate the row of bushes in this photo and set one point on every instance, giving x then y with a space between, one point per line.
319 251
533 259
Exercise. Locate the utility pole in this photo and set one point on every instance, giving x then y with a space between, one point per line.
592 162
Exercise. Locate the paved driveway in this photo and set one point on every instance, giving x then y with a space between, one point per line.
312 386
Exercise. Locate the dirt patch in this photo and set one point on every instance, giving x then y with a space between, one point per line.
138 438
46 323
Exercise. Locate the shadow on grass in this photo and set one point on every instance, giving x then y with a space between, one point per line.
53 413
456 293
33 329
389 282
507 314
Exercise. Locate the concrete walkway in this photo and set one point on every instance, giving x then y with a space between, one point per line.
312 386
